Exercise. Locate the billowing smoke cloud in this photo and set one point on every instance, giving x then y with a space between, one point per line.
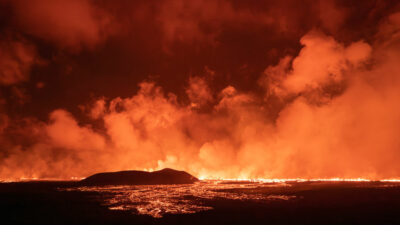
323 61
198 91
335 106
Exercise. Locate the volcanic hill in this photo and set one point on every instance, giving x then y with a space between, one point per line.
135 177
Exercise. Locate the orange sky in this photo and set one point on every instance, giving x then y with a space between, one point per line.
228 89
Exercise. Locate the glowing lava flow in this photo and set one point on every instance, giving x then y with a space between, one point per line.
203 178
26 179
158 200
262 180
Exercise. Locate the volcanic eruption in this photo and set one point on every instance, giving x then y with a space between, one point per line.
219 89
267 112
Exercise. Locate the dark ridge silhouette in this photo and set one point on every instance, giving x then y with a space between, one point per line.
135 177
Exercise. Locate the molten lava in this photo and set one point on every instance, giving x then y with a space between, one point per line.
158 200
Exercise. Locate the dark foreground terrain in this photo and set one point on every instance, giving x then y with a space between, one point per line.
315 203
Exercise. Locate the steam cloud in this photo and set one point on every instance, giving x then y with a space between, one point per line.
339 112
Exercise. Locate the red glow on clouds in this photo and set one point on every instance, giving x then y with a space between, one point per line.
329 109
